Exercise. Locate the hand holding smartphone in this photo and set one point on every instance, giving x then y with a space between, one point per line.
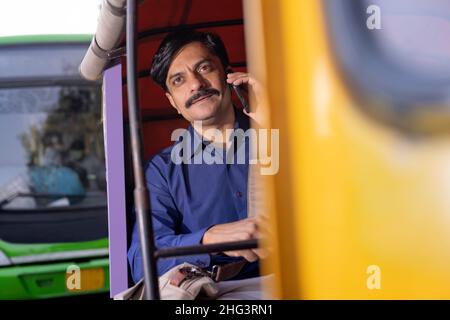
238 90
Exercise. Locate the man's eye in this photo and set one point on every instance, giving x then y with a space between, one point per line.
204 68
176 81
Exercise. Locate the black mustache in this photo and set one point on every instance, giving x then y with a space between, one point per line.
200 94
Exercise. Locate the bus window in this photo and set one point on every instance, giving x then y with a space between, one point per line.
54 139
52 165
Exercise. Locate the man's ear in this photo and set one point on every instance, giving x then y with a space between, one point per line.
172 102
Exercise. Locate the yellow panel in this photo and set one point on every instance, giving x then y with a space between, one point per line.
350 193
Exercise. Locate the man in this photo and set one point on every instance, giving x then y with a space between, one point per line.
202 203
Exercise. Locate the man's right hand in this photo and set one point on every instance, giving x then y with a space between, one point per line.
246 229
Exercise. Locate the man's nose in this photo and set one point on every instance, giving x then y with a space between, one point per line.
197 82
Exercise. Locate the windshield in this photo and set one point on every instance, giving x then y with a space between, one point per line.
52 145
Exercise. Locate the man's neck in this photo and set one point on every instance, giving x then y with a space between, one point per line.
224 125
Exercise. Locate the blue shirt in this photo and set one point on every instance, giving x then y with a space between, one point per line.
188 199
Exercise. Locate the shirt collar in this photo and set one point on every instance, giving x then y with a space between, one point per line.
241 121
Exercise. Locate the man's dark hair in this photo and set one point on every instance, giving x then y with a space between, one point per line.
173 42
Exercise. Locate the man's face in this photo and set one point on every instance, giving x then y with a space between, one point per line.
196 85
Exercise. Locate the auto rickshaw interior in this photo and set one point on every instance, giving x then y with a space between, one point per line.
158 117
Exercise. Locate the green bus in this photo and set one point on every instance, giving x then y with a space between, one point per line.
53 204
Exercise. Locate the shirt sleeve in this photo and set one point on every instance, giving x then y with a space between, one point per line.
166 219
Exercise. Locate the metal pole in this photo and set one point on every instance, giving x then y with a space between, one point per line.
206 248
141 198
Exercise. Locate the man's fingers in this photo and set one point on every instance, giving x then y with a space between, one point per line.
232 77
236 75
237 78
261 253
248 255
255 227
238 81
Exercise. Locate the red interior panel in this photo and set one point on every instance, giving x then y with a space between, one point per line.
156 14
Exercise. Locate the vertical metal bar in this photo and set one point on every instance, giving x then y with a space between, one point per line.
141 198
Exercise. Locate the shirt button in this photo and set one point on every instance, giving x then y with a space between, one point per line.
238 194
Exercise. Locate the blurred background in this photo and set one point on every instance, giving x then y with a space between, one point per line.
53 210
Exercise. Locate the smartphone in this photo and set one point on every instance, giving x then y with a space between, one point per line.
238 91
244 103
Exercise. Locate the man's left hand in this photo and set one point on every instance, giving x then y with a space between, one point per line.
240 78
